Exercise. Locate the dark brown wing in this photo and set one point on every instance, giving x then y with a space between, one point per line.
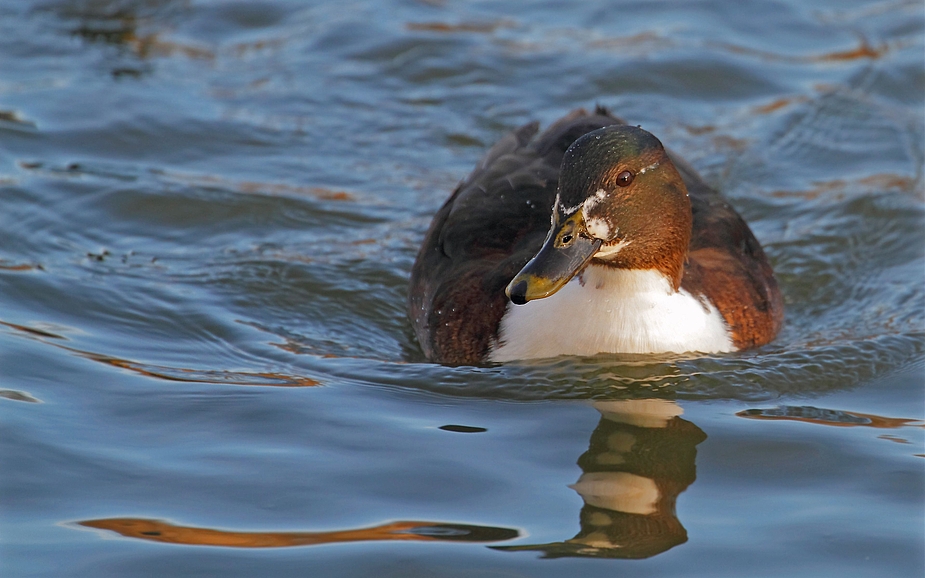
728 266
488 229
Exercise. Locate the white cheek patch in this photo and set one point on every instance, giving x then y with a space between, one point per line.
598 227
592 201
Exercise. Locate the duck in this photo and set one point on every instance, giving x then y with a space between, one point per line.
587 238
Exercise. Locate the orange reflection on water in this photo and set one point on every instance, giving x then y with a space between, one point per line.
161 531
831 417
837 187
257 187
269 379
186 375
31 330
478 27
18 267
779 104
861 51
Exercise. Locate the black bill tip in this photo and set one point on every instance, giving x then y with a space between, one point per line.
518 293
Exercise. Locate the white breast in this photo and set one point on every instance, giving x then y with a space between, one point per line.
614 311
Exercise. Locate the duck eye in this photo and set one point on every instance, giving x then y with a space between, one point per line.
566 237
625 178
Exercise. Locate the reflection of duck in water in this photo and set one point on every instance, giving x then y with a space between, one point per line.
641 257
639 459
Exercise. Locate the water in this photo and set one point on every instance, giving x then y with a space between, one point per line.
209 215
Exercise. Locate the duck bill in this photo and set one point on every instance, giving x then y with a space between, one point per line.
551 269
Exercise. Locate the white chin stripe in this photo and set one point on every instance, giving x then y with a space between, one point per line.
611 250
567 211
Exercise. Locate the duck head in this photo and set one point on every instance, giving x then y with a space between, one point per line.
621 203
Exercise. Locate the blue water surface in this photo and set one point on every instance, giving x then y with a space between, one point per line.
209 210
